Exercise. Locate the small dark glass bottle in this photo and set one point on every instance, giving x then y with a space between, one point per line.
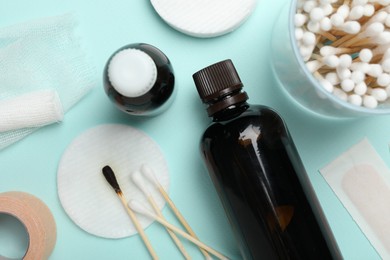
139 79
258 174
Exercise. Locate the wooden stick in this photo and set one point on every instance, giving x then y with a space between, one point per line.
111 179
170 232
140 209
149 173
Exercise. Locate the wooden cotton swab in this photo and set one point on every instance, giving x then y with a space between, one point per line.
149 174
138 180
111 179
138 207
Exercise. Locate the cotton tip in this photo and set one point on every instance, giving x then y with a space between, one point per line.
356 12
369 10
298 34
370 101
355 100
379 16
359 2
299 19
309 39
340 94
327 8
326 85
379 94
345 61
306 52
331 61
347 85
383 38
326 24
375 70
327 50
139 181
351 27
309 5
374 29
360 88
140 208
337 20
148 172
383 80
332 78
343 10
357 76
343 73
314 27
365 55
316 14
386 65
313 65
387 21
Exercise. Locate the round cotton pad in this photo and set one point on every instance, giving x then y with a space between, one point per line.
204 18
85 194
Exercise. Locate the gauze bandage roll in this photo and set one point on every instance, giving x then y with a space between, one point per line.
40 55
33 109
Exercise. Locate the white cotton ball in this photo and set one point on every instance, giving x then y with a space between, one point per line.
388 90
345 61
359 2
337 20
360 88
306 52
308 38
347 85
326 24
355 100
299 19
383 80
365 55
361 66
383 38
316 14
384 2
379 16
379 94
332 78
340 94
387 21
357 76
370 101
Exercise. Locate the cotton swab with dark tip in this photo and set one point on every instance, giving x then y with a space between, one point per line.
150 175
139 181
111 179
140 208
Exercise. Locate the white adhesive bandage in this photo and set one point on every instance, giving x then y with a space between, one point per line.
361 180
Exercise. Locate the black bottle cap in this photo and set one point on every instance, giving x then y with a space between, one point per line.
216 82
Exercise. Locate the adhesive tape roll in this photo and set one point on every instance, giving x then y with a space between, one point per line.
37 219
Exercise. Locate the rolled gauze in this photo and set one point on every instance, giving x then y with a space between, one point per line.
33 109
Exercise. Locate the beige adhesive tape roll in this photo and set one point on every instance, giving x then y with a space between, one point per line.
37 219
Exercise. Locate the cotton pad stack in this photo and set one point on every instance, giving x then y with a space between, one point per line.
345 45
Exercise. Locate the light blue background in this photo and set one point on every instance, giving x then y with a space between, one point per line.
31 164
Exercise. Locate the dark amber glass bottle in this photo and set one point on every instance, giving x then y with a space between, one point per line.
258 174
139 79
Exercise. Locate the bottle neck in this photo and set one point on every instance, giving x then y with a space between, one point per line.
227 106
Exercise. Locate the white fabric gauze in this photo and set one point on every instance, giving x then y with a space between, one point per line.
361 180
40 55
34 109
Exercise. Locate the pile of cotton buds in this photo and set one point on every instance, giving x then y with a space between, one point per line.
346 45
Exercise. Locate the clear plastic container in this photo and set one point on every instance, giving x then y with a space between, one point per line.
297 80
